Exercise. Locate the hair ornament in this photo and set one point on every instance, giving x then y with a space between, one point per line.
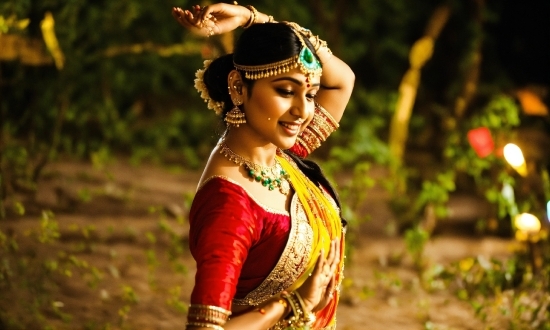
307 62
201 87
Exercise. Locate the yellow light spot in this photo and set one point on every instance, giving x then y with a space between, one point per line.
527 223
48 32
514 157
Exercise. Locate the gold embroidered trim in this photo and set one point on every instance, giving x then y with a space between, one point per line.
207 316
293 260
281 326
263 206
204 325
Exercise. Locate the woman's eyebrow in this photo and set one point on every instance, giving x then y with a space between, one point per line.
294 80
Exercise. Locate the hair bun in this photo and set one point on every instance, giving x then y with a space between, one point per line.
215 78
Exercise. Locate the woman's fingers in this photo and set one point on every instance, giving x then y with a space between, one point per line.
331 287
335 256
319 264
185 18
331 253
193 23
210 12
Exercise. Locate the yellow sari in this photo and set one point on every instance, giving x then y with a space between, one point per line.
326 225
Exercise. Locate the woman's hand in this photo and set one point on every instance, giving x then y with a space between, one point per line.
213 19
318 289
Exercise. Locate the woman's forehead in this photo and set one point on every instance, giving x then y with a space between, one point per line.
296 76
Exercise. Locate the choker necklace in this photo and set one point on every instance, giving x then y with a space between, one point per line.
269 176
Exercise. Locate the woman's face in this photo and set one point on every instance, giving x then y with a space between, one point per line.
278 108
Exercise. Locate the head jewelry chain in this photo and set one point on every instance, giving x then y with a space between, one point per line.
305 61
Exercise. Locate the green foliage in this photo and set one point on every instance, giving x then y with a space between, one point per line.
506 290
175 301
119 89
126 87
436 194
415 241
30 277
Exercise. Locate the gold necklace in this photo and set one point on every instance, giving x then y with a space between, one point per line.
270 177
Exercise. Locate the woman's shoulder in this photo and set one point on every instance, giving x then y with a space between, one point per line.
217 181
223 188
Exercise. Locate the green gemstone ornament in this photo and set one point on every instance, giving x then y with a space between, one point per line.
270 177
308 63
305 60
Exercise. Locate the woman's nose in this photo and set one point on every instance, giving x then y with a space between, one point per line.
300 107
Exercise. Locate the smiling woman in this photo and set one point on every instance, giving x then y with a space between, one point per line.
265 224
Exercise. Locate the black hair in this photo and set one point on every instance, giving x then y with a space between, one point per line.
259 44
263 44
313 171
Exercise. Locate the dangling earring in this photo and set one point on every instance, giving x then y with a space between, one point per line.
235 117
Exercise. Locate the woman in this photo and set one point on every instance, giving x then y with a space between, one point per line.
265 226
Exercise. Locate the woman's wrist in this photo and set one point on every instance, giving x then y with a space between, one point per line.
276 309
245 14
301 315
324 53
306 304
251 15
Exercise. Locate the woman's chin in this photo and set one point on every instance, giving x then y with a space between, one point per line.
286 144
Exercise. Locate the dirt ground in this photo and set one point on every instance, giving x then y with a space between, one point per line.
111 218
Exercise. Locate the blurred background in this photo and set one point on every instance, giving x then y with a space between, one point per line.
441 88
98 80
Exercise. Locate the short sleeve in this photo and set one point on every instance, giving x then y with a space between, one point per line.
223 227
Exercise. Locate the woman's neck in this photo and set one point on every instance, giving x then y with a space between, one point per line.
250 147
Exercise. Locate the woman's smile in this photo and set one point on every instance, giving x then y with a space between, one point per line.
291 128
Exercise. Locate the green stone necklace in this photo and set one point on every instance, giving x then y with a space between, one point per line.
270 177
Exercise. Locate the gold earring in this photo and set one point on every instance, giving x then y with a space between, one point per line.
235 117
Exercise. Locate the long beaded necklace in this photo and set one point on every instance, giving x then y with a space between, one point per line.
269 176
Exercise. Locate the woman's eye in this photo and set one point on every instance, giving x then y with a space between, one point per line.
285 92
311 96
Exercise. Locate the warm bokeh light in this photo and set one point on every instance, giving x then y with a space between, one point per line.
481 141
514 157
527 223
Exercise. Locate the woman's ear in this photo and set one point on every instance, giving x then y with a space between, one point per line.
235 83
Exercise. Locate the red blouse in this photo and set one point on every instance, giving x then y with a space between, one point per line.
243 243
237 242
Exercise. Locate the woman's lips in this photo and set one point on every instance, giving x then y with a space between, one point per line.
291 128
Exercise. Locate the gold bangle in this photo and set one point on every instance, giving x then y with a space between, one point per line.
309 317
253 16
207 314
